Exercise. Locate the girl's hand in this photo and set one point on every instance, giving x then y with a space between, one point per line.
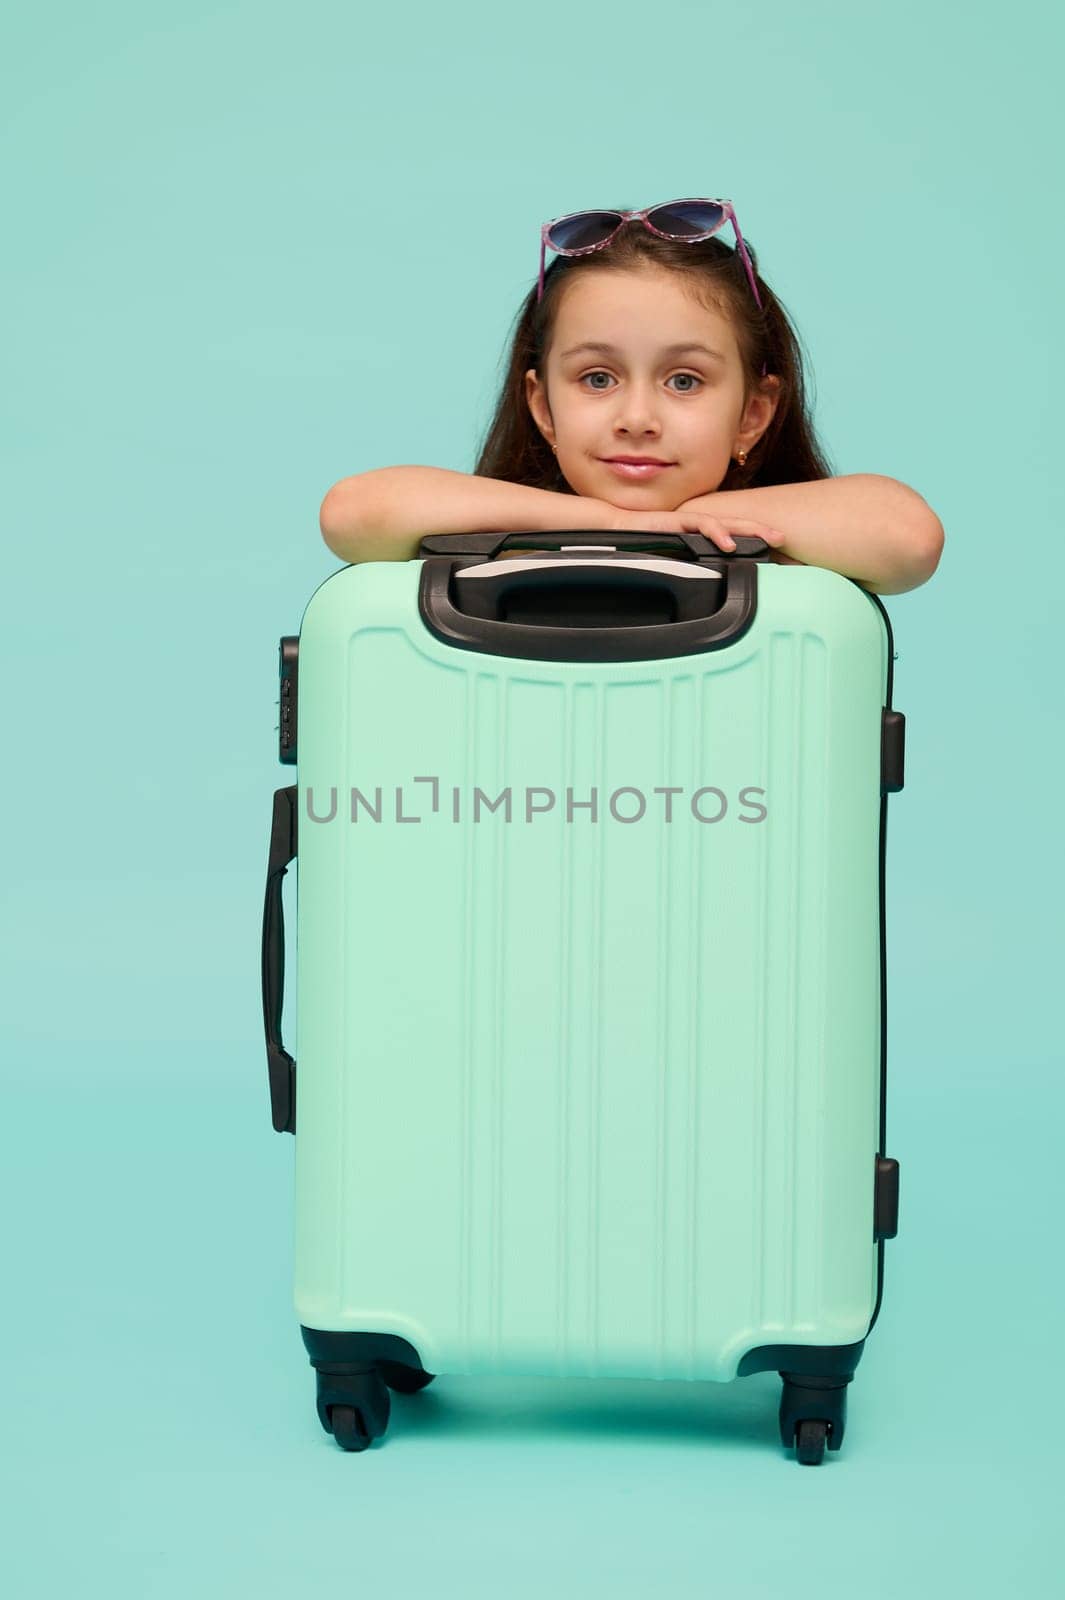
690 518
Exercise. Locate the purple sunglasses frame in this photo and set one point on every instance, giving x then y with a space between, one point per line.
728 215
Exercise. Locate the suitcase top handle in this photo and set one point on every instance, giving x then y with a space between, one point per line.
694 546
581 591
574 559
581 607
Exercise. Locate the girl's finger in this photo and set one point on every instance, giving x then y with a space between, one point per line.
747 525
759 530
719 534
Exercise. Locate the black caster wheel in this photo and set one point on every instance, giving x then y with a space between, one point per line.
404 1379
810 1437
348 1429
354 1406
813 1415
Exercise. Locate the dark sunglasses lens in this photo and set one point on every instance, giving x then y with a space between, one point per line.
686 219
583 230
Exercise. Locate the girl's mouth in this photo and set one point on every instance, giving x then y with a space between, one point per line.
637 471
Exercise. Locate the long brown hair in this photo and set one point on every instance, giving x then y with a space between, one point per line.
788 452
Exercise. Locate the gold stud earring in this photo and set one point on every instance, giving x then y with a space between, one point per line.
741 458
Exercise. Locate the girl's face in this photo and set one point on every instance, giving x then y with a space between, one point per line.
639 397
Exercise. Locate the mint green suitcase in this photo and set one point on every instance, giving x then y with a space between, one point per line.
589 969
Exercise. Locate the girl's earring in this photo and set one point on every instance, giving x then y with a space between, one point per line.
555 448
741 458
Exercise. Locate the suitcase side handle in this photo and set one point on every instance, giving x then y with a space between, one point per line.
280 1065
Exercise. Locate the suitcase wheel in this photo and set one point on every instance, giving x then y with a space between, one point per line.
810 1437
349 1431
353 1406
813 1415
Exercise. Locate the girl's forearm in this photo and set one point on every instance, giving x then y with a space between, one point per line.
873 529
383 514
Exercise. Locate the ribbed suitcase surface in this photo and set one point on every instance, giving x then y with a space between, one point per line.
589 1094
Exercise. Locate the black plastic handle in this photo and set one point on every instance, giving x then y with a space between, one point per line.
280 1065
572 588
587 638
590 636
694 545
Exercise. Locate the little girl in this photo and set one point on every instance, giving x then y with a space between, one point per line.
654 383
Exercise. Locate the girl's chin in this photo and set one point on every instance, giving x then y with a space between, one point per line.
641 500
649 496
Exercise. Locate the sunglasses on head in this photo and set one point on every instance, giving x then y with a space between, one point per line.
686 221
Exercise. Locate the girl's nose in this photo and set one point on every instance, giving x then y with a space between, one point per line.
637 412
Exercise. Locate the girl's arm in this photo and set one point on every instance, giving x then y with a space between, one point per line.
384 514
873 529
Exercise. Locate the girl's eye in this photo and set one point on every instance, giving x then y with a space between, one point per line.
690 376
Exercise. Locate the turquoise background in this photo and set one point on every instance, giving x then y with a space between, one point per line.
238 266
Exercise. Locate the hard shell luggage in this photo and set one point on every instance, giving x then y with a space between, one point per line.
590 980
